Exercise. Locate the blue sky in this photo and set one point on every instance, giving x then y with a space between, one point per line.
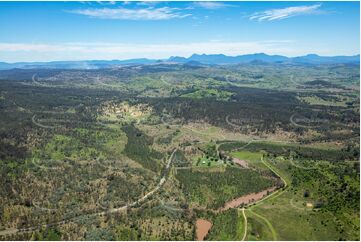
45 31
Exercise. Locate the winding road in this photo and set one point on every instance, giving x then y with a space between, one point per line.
272 230
275 194
163 179
272 195
245 225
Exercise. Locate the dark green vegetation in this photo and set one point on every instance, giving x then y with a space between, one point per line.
137 148
213 189
76 143
228 225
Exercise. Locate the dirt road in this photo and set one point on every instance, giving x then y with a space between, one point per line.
245 225
110 211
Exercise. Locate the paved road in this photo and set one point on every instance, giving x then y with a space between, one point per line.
110 211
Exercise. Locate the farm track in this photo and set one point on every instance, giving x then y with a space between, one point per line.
274 234
209 136
110 211
299 208
245 224
271 196
277 192
254 141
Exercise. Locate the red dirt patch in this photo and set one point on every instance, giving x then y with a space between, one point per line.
240 162
202 228
246 199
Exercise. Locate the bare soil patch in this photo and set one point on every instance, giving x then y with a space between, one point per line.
247 199
240 162
202 228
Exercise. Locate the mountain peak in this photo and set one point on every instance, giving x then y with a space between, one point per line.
312 55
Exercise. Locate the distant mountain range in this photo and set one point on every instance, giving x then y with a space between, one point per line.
261 57
195 59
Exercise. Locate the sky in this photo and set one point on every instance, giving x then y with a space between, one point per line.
50 31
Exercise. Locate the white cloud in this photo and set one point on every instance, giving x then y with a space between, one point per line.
212 5
282 13
98 2
162 13
148 3
106 2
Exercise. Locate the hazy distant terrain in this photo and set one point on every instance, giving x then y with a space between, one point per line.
194 59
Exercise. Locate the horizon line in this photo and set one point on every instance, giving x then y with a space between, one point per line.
164 59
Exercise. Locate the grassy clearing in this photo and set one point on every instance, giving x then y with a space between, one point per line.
84 144
210 93
287 220
258 227
292 220
314 100
253 158
300 151
62 147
